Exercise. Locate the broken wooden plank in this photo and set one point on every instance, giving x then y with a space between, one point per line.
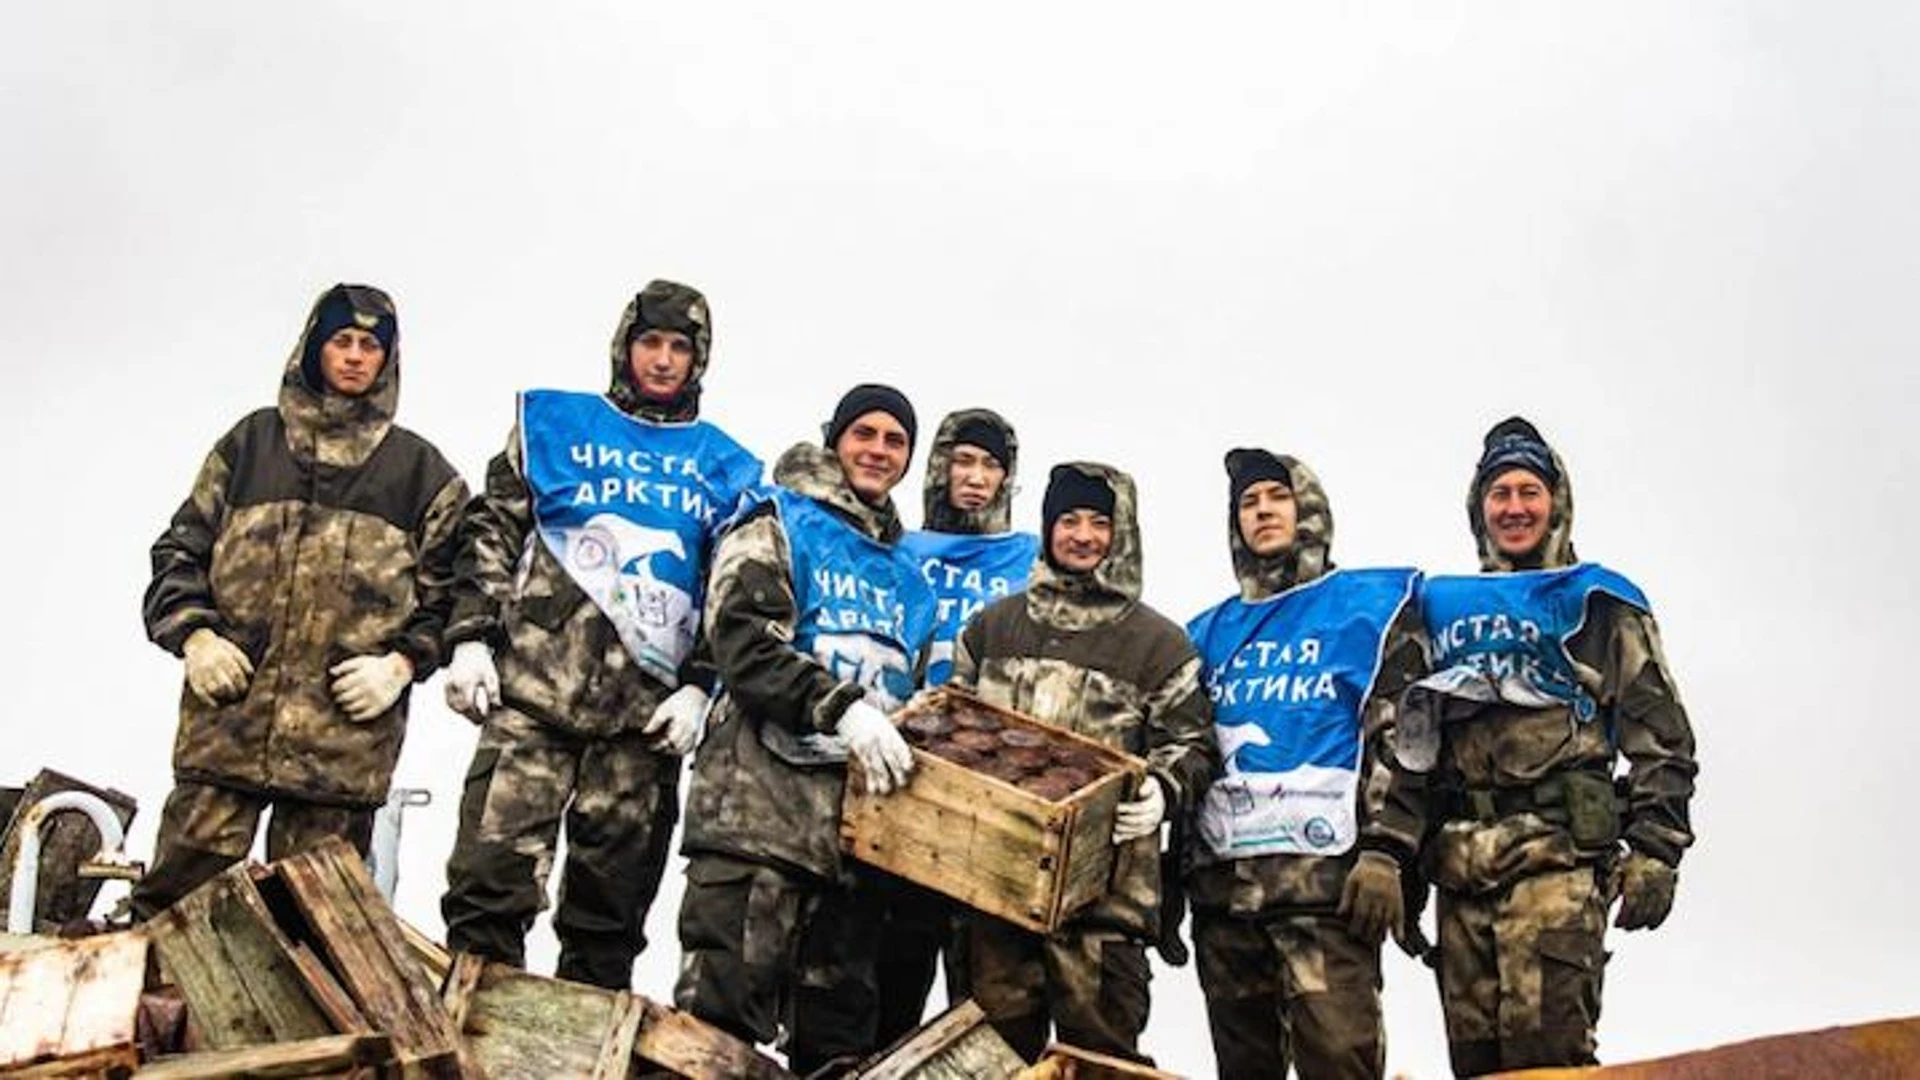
525 1027
690 1047
959 1044
304 1057
1063 1062
70 1008
68 840
234 965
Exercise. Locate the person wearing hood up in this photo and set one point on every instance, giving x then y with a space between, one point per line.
1292 886
574 645
969 556
819 626
306 582
1079 650
1547 671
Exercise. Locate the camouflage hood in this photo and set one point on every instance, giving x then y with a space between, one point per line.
1556 549
1077 601
941 516
1307 558
812 470
662 305
329 428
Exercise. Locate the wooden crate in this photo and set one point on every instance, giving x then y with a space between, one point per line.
959 1044
1063 1062
68 1009
985 842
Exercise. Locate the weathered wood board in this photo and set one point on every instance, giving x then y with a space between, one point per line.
1063 1062
68 1009
959 1044
326 1056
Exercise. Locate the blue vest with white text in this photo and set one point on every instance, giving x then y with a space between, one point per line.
966 573
864 613
629 507
1509 631
1289 676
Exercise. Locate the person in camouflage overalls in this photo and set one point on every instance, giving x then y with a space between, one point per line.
573 638
1547 671
970 557
1078 649
818 625
1289 909
306 583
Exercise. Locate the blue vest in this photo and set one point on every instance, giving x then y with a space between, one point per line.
1289 677
629 508
864 613
1509 632
966 573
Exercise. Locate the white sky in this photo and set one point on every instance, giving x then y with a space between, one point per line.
1676 236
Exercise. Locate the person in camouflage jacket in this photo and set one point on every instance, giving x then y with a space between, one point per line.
306 582
1506 764
1078 649
584 720
1288 941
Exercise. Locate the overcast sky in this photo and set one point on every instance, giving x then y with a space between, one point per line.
1680 237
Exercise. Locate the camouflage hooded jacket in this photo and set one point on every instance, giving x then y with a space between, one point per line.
1502 746
938 514
560 659
1081 651
747 800
316 531
1269 883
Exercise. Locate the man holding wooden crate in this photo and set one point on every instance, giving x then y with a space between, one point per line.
1078 649
819 625
1292 884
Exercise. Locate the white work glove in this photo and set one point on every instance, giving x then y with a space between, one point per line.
1135 819
217 669
473 683
679 720
882 751
366 686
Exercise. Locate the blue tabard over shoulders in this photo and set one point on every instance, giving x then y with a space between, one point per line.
1504 636
966 573
1289 677
864 613
628 507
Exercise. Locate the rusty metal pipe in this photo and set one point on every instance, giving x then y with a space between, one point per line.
26 861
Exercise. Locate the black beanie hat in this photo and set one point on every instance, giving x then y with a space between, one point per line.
1514 443
988 436
336 311
1247 467
1070 489
866 398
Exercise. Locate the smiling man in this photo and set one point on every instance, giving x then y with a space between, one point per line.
1547 672
306 583
819 627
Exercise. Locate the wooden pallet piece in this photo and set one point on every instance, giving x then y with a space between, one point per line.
521 1026
234 965
959 1044
350 926
330 1055
986 843
69 1009
687 1046
68 840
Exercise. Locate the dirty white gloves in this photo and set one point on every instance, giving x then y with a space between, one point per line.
882 751
217 669
366 686
678 721
1371 901
1138 817
473 683
1646 892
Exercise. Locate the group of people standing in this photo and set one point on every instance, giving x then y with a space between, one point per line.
628 592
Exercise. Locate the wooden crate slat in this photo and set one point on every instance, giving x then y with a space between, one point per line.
690 1047
526 1027
304 1057
959 1044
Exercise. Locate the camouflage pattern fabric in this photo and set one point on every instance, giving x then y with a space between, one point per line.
1079 601
316 531
940 515
1308 558
205 829
662 305
1092 986
1521 971
619 800
1293 990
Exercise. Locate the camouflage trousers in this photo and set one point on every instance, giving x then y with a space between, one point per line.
919 929
771 955
205 828
1089 984
619 800
1290 989
1520 972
